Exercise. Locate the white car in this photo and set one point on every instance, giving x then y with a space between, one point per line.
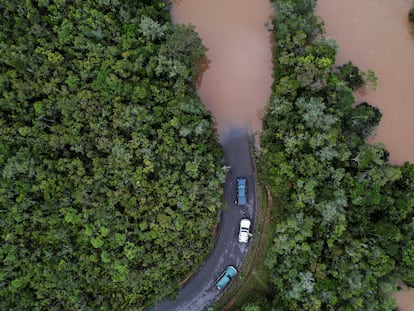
244 232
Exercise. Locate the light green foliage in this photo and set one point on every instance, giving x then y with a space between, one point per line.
313 111
370 78
251 307
109 167
151 29
346 233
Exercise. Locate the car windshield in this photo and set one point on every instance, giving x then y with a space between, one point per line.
231 271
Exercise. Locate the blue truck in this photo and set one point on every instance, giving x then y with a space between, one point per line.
241 198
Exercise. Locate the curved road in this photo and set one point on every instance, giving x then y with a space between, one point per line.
201 292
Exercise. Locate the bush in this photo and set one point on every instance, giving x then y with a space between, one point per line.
411 14
351 75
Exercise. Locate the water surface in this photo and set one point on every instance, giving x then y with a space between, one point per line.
237 83
376 34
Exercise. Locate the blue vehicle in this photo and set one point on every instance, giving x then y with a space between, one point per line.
241 191
226 277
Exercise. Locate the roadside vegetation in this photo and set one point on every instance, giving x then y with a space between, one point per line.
110 175
411 14
346 230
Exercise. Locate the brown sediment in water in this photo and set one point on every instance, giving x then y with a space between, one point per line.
376 34
405 299
236 82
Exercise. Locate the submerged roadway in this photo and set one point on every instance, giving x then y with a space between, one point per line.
200 291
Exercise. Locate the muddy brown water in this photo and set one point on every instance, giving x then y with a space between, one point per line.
376 34
236 84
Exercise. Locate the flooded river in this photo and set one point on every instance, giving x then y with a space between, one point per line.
236 84
376 34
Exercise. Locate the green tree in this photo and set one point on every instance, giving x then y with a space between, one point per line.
351 75
102 135
411 14
339 240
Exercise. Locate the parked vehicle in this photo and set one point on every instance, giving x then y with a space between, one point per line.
241 198
244 232
226 277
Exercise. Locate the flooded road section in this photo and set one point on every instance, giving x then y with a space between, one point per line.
376 34
236 85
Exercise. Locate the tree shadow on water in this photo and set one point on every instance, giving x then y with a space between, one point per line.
204 65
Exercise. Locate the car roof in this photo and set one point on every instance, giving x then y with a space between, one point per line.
223 281
241 192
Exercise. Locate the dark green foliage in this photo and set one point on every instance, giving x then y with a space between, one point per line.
362 120
351 75
109 169
411 14
346 235
257 303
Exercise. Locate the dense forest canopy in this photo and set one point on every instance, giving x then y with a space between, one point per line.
347 226
110 175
